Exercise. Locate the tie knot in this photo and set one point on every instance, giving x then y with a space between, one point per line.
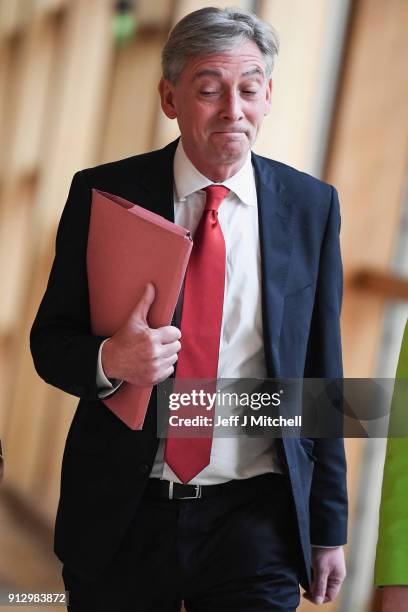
215 194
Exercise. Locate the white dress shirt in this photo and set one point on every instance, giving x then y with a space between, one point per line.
241 345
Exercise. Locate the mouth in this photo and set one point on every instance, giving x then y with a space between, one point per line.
231 132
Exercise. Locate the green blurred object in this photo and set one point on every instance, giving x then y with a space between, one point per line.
123 28
391 564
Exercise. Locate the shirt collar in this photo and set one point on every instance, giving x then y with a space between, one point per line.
188 179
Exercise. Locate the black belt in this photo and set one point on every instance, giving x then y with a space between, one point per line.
165 489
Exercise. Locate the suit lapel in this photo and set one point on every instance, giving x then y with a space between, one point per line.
157 182
158 185
275 232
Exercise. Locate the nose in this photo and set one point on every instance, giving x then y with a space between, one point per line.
231 108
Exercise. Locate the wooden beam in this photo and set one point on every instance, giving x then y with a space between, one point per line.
384 284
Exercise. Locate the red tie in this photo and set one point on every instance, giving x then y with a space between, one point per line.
200 334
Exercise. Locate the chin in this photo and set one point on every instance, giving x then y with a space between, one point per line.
233 153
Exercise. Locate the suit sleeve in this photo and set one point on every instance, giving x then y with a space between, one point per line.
328 499
63 348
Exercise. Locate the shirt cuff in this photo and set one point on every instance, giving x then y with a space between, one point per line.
105 385
318 546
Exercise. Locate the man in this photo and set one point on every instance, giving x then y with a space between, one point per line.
132 530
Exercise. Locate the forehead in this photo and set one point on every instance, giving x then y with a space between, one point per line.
243 60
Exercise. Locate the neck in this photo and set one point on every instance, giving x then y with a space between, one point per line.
220 173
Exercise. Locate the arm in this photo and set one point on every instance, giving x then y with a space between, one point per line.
394 598
63 348
65 352
328 498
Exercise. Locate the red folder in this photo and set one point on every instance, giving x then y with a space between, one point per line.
129 246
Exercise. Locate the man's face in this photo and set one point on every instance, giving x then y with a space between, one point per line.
219 101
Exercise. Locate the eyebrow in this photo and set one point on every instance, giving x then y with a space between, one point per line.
217 73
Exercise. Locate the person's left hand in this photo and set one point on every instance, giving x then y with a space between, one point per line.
329 571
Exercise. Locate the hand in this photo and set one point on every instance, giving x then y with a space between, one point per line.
139 354
395 598
329 571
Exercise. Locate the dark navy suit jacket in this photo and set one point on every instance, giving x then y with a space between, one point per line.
106 465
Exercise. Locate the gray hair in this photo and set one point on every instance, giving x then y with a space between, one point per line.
214 30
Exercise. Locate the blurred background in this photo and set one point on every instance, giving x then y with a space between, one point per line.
78 87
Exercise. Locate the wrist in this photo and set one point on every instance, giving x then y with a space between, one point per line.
108 360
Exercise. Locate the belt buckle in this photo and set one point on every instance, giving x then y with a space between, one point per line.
196 496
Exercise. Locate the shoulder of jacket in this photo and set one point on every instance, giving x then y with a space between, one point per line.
133 163
293 178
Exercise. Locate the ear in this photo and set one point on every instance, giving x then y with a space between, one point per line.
166 90
268 97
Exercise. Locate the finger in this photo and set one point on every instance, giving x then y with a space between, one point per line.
309 597
142 308
166 366
333 587
170 361
168 334
168 350
319 588
168 372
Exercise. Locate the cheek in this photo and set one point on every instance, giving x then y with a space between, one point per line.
196 115
256 115
202 120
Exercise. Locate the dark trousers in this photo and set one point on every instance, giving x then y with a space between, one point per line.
236 551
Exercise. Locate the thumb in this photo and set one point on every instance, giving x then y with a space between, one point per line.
142 308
